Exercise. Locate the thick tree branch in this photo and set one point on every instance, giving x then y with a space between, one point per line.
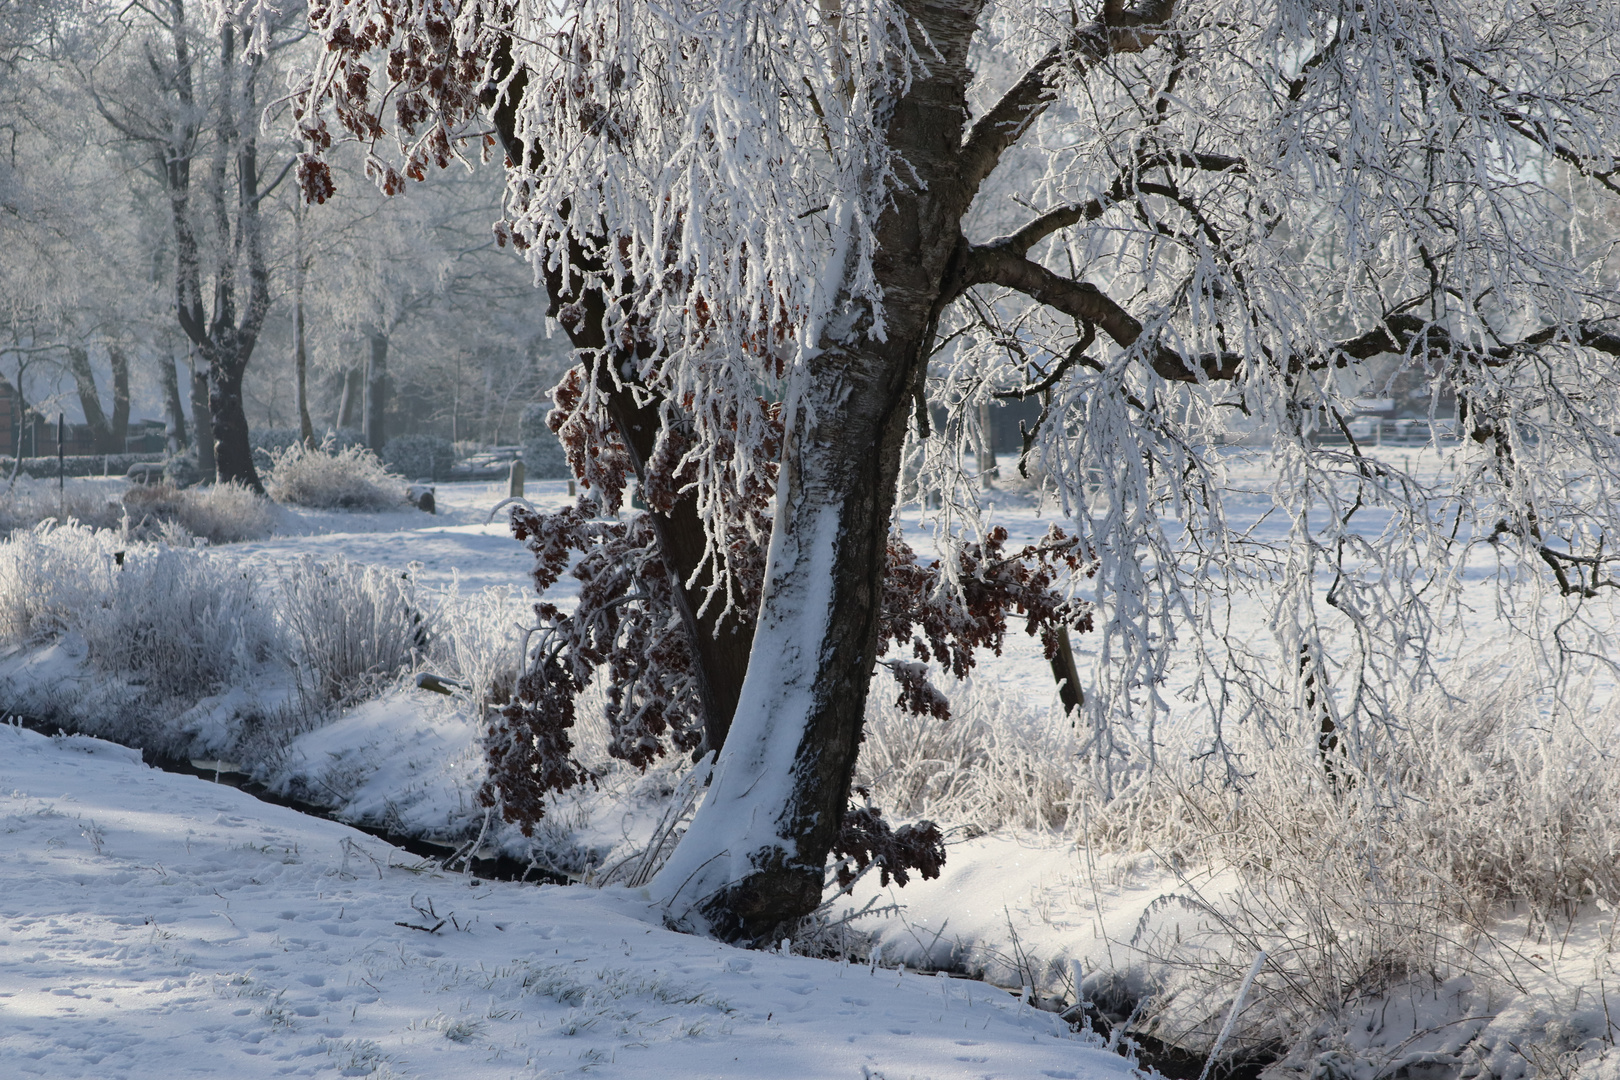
1084 301
1117 30
998 263
1062 217
720 636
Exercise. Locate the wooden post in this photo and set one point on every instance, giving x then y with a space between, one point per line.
514 482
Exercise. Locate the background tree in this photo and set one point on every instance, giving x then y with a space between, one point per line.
80 301
192 96
1153 219
413 312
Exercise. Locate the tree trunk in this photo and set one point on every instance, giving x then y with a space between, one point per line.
348 400
754 859
172 406
233 451
202 420
119 427
306 426
90 400
377 385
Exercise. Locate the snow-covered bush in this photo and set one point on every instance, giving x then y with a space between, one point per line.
996 763
29 502
220 513
478 640
329 478
181 470
182 622
156 628
1421 854
51 578
419 457
353 627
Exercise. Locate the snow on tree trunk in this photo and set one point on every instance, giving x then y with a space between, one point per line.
754 859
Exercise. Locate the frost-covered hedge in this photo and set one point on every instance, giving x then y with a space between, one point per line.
329 478
44 468
219 513
29 502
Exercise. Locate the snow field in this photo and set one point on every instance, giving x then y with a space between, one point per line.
161 926
1409 916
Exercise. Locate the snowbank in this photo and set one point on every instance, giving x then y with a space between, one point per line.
161 926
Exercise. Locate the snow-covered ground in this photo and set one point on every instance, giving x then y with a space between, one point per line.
155 924
460 540
162 926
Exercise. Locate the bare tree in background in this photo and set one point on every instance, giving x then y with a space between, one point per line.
198 114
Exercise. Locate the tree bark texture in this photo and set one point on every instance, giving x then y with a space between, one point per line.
233 449
377 385
202 421
752 864
172 405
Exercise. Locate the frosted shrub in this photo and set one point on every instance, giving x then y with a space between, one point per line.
350 479
182 622
478 640
157 632
353 626
1390 865
220 513
30 502
996 763
51 578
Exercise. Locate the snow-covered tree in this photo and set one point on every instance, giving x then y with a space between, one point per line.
191 95
1166 222
79 301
